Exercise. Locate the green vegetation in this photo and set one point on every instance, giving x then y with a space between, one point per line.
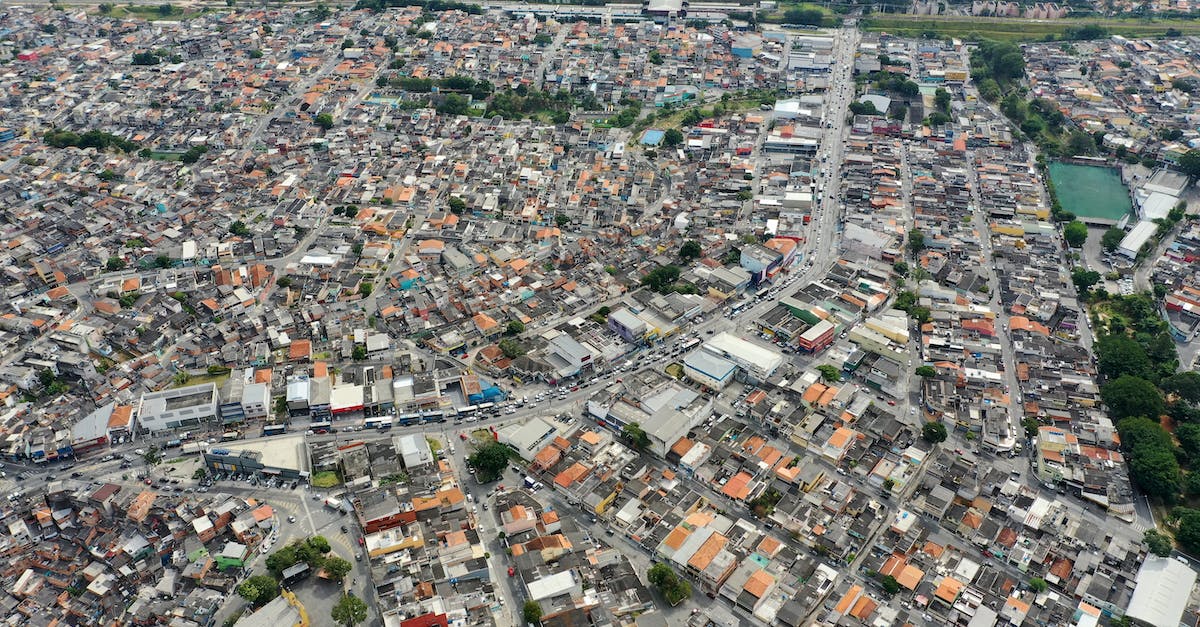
324 120
99 140
1075 232
325 479
1158 543
934 432
239 228
829 373
310 551
489 460
429 6
511 348
349 610
976 28
532 612
1038 585
515 327
337 568
114 263
457 205
636 435
764 504
690 250
258 590
670 585
925 371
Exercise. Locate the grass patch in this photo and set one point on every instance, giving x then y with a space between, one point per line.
150 12
177 460
159 155
675 370
1015 29
326 479
434 445
217 379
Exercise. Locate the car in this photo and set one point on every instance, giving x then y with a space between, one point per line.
149 482
139 451
890 402
345 529
512 572
361 541
76 474
358 557
485 506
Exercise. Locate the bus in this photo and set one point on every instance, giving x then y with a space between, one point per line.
276 429
173 444
193 448
486 407
407 419
688 345
230 436
433 416
321 424
381 422
468 410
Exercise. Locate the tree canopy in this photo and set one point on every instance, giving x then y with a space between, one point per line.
934 432
670 585
258 589
1129 396
349 611
690 250
1075 232
1111 240
532 612
1157 543
489 460
636 436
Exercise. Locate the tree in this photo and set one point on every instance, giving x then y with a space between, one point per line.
338 568
1185 385
515 327
319 544
562 219
663 577
358 353
457 205
690 250
511 348
890 585
114 263
349 611
941 99
258 589
1129 396
900 268
1157 543
200 475
1084 279
673 137
1117 354
1188 530
238 228
916 241
365 289
655 57
489 460
1075 232
1037 584
1189 163
532 612
636 436
324 120
152 456
829 373
454 104
934 432
805 17
925 371
1111 239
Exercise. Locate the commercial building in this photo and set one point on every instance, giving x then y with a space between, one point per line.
757 363
761 262
283 456
818 337
1164 586
1136 238
708 369
177 408
567 356
624 323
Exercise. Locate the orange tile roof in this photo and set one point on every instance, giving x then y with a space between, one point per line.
949 589
707 551
675 539
848 600
759 583
738 486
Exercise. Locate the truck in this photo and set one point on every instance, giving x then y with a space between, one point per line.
529 481
333 503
